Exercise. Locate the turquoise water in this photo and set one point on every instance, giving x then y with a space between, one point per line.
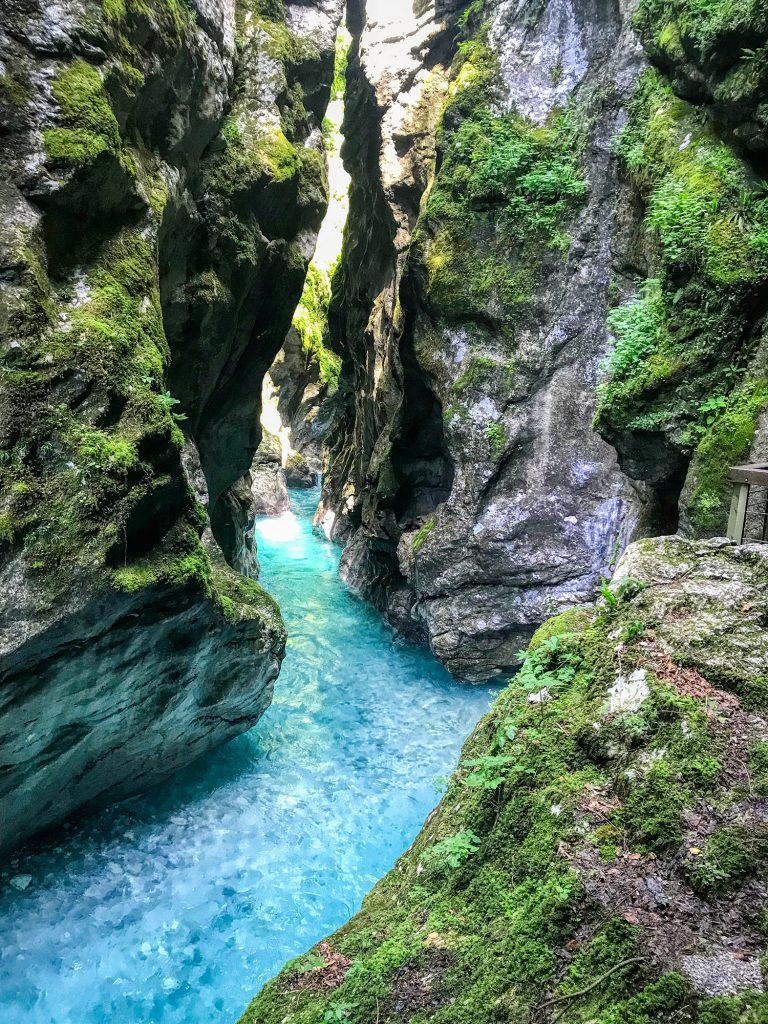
178 905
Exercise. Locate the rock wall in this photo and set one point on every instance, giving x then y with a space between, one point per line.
486 224
556 256
688 373
162 186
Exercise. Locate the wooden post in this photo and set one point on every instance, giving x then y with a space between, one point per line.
738 518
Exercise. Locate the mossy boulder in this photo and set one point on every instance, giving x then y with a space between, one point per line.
576 869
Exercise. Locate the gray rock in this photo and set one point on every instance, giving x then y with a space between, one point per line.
721 974
267 479
151 255
488 539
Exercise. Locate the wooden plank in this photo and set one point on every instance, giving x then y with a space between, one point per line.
738 517
749 475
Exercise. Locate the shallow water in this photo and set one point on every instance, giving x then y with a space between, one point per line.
178 905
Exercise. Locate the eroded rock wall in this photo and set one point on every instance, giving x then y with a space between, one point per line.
486 224
162 185
687 378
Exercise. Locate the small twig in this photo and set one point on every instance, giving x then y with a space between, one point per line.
377 1010
584 991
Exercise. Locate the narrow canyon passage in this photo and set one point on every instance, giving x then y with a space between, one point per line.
177 906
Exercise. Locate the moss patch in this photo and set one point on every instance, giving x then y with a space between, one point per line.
311 322
88 125
683 343
501 200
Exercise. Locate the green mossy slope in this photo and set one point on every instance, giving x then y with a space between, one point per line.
610 768
503 194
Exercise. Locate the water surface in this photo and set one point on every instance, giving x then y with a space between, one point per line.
178 905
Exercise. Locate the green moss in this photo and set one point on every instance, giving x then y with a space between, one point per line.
681 344
749 1008
241 598
168 19
758 766
613 946
476 375
658 1001
13 90
703 24
71 486
726 443
505 190
181 560
311 322
497 439
88 125
731 855
421 535
340 66
207 288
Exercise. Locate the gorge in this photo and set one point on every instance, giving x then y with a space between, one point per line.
505 373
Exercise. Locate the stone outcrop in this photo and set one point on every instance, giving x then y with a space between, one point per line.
486 225
162 186
269 492
601 851
556 248
303 404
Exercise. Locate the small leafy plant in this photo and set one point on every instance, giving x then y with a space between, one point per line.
625 590
310 962
454 850
169 402
337 1013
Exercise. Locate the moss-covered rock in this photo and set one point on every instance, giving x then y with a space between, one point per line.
162 185
675 387
505 909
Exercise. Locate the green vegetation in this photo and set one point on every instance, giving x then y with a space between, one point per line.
88 125
497 439
758 765
71 489
477 374
726 443
12 89
732 854
340 66
168 18
311 322
453 851
258 156
501 201
487 917
683 343
421 535
706 26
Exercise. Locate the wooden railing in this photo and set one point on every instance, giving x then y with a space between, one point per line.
749 505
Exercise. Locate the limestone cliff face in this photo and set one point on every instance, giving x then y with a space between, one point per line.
162 185
486 224
556 256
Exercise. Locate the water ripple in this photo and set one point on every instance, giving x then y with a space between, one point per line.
178 905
